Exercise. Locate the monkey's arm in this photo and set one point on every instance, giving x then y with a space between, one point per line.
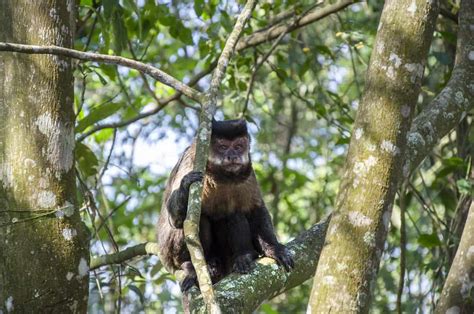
177 203
261 228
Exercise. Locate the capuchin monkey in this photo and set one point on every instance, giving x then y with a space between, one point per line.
235 225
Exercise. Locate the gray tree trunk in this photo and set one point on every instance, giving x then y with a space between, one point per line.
44 254
356 234
458 290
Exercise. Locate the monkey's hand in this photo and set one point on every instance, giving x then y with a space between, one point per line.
190 178
282 256
243 263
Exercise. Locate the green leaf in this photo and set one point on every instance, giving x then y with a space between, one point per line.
203 47
109 6
429 240
449 37
185 35
132 6
138 292
226 22
97 114
109 70
267 309
86 3
198 7
343 140
324 50
120 39
464 186
103 135
86 160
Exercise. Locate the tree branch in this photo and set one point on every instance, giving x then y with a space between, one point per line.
191 224
273 32
157 74
147 248
450 106
457 294
244 293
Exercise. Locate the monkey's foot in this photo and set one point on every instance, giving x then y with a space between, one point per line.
282 256
243 263
188 282
214 270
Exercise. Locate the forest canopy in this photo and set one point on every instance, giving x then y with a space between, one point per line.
302 76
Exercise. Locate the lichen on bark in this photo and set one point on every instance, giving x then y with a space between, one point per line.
358 229
44 248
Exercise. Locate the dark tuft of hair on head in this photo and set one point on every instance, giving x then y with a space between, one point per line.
229 128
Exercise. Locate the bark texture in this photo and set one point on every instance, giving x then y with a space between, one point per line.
458 290
356 235
451 105
44 245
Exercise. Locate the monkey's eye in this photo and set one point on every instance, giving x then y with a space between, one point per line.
222 147
239 147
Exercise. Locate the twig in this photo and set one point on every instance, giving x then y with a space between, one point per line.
403 243
107 161
157 74
162 103
102 223
147 248
270 51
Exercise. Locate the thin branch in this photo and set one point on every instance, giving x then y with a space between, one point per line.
262 36
270 51
162 103
157 74
191 224
147 248
403 249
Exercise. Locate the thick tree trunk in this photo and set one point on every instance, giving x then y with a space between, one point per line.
458 290
356 234
44 244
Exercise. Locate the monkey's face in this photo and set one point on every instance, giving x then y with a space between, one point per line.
230 155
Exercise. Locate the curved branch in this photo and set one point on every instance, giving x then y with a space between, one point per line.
157 74
273 32
161 104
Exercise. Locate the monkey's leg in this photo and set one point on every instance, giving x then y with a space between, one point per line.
205 235
210 251
263 234
236 243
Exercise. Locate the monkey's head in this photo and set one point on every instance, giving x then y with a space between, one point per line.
229 155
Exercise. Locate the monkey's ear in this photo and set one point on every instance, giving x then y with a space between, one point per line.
229 128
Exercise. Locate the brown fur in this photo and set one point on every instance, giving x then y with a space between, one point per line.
235 224
237 197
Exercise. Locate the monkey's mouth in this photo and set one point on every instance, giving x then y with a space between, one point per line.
233 166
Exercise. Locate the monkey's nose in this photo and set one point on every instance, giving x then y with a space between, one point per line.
233 159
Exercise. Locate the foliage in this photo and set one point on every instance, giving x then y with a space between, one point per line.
301 109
